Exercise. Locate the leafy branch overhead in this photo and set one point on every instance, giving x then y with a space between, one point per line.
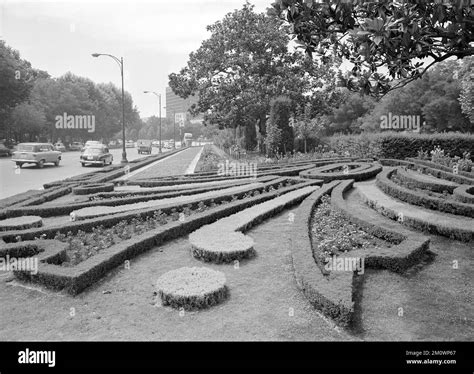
385 41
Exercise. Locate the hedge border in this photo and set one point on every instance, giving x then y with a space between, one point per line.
435 165
93 188
36 222
203 239
65 209
361 173
111 220
435 172
418 182
335 295
433 227
464 194
77 278
417 198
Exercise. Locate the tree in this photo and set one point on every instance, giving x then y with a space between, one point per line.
279 137
27 119
394 35
306 127
242 66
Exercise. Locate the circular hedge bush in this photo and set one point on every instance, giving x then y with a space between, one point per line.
464 193
354 170
218 248
192 288
93 188
20 223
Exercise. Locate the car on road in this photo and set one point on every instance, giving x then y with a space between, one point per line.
60 147
144 146
76 146
96 155
129 144
4 151
36 153
92 143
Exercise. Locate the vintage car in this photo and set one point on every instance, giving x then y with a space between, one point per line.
60 147
92 143
96 155
76 146
144 146
129 144
4 151
36 153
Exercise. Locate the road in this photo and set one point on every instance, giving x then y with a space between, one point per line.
30 177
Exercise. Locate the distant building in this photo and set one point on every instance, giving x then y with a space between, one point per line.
176 104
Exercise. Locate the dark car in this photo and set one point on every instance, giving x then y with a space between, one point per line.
4 151
96 156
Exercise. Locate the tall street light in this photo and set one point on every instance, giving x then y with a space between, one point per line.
120 62
159 103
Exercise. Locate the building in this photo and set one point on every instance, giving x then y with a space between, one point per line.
180 106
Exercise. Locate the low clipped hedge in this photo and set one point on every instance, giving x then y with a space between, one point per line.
361 172
335 294
77 278
20 223
222 241
413 180
418 198
93 188
88 225
400 145
464 194
435 165
192 288
456 178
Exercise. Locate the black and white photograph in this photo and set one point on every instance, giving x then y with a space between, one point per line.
176 174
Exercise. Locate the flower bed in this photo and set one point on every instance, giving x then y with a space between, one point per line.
75 279
192 288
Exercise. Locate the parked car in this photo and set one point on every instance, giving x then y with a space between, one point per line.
129 144
76 146
96 155
4 151
155 143
144 146
36 153
60 147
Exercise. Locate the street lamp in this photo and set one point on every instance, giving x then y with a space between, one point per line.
120 62
159 101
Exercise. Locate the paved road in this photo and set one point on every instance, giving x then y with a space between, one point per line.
31 177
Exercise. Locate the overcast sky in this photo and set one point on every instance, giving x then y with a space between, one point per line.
154 38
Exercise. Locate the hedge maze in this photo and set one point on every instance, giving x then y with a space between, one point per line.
83 227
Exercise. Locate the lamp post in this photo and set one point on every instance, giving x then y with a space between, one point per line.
120 62
159 101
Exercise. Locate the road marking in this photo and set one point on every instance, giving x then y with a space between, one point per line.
193 164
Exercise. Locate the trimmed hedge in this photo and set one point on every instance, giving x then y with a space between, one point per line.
400 145
361 172
437 173
75 279
435 165
465 194
192 288
20 223
335 294
93 188
418 198
109 221
222 241
417 181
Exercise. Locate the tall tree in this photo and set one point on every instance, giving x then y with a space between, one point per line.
242 66
384 40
